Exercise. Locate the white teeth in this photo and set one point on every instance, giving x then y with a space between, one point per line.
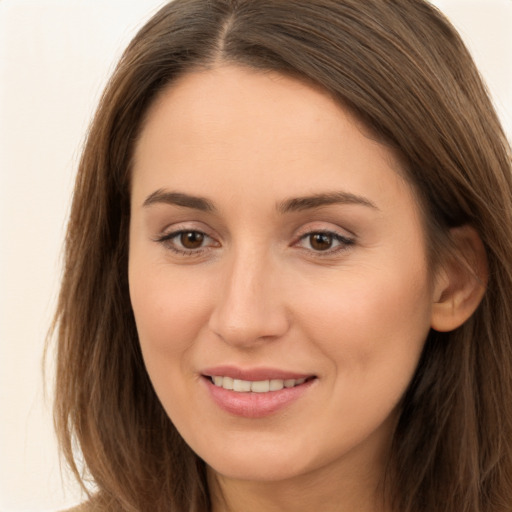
240 385
260 386
276 384
227 382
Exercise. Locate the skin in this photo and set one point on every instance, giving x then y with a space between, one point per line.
258 292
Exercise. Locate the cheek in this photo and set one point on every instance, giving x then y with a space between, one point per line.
372 335
372 325
170 309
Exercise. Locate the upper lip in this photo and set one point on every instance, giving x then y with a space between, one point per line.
253 374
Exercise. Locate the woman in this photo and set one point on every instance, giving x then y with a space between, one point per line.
287 278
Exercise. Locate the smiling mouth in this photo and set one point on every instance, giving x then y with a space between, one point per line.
259 386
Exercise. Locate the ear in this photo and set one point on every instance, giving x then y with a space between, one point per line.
460 281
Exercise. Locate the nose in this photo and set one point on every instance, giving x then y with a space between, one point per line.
249 306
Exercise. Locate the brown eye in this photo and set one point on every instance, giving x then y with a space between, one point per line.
192 239
321 241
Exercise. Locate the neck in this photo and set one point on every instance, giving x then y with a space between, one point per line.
329 492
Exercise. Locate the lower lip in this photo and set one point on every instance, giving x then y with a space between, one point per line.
255 405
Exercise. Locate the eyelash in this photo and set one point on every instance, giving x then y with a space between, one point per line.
343 241
167 241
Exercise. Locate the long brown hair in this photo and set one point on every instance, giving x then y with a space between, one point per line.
404 71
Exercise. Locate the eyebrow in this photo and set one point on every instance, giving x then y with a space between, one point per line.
179 199
295 204
318 200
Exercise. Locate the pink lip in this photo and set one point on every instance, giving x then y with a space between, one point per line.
253 374
254 405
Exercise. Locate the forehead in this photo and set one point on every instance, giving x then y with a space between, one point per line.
222 104
257 132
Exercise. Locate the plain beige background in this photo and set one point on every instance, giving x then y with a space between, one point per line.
55 56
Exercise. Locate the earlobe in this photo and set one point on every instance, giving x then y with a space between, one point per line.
460 282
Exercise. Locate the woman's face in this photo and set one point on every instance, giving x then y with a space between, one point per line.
273 241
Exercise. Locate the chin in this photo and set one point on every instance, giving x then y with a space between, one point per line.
262 463
256 471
